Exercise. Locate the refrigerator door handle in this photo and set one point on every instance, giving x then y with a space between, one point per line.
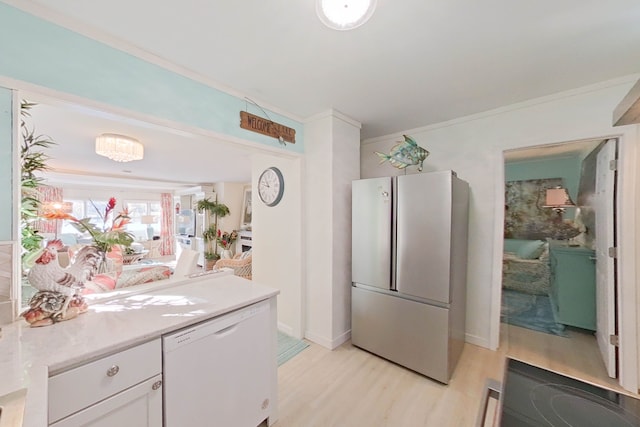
394 233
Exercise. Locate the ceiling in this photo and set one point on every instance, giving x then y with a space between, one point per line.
414 63
172 159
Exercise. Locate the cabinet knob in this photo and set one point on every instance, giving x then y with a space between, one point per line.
157 385
112 371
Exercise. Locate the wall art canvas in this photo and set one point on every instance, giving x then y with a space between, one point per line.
525 218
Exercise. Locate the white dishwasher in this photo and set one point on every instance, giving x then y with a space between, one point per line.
218 372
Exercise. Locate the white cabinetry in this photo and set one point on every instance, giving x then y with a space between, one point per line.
124 389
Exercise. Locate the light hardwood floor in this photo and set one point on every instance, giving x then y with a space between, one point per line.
350 387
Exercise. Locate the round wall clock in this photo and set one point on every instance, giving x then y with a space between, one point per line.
271 186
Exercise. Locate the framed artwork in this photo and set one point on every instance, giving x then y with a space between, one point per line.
526 218
245 219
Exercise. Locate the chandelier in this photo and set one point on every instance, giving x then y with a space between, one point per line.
119 148
344 14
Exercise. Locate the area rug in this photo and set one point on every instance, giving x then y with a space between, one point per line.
288 347
529 311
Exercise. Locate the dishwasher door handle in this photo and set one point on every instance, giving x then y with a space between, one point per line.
227 331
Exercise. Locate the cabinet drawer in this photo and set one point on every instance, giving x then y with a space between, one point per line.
81 387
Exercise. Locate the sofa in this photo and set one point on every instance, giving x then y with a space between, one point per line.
525 266
117 277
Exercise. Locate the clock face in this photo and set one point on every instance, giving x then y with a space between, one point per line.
271 186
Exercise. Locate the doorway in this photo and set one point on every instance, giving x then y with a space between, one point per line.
544 282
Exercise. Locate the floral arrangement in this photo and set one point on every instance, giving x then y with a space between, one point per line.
225 240
106 237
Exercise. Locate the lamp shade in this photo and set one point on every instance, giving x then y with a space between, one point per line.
119 148
57 207
148 219
558 198
344 14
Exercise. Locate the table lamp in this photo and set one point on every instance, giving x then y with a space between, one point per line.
148 219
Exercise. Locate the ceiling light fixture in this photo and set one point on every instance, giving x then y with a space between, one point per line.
119 148
344 14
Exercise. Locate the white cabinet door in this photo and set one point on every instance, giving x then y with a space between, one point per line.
138 406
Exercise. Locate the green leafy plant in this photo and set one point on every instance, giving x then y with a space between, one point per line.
32 161
217 210
209 236
103 238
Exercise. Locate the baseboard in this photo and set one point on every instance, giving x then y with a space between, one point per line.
286 329
331 344
476 340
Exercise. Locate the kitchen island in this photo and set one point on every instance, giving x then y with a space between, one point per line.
117 323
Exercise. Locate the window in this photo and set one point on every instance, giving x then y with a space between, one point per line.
141 213
138 211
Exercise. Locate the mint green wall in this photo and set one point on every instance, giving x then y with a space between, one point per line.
39 52
6 165
36 51
567 168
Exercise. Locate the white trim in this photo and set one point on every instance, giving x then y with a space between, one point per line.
335 114
511 107
476 340
93 33
329 343
16 281
130 115
498 243
627 212
286 329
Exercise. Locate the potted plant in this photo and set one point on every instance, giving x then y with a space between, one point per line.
217 210
32 162
210 253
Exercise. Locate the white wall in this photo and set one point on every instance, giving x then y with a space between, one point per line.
231 194
278 253
473 147
331 163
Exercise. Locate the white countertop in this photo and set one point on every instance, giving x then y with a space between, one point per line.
114 322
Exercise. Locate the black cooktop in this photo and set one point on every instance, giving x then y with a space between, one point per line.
532 396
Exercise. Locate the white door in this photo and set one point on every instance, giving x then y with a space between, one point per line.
605 268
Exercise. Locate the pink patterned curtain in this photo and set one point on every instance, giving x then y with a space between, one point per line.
48 195
166 225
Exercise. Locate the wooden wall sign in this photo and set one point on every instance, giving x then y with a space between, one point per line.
257 124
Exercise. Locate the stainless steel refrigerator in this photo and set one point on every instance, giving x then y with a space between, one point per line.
409 269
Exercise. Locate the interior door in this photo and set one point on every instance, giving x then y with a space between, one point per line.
605 265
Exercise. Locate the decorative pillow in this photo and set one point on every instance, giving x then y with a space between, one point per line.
245 254
100 283
144 275
531 250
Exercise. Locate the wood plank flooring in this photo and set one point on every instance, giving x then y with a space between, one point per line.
350 387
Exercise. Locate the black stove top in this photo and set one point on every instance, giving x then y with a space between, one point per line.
533 396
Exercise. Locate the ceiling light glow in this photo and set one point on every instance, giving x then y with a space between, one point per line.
344 14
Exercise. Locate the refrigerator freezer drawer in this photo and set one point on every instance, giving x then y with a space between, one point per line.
409 333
